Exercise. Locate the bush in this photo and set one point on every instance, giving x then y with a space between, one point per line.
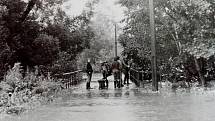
14 76
25 90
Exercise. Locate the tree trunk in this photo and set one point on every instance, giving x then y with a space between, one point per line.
202 79
30 6
11 40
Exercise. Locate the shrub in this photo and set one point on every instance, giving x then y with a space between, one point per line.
26 89
14 76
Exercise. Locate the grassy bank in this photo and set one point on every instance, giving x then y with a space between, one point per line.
18 93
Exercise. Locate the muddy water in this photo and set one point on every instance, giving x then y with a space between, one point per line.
127 104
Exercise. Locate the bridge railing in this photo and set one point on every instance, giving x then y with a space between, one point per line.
139 76
71 78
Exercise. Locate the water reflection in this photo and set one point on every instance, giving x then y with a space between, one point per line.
127 93
104 94
118 93
89 95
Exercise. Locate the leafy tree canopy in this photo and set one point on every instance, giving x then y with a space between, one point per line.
35 32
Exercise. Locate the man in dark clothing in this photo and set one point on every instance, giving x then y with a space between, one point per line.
120 71
116 73
104 70
89 74
127 69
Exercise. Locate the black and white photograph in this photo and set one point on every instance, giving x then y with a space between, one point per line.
107 60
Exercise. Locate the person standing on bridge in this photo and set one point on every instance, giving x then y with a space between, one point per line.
116 72
126 71
104 70
120 71
89 71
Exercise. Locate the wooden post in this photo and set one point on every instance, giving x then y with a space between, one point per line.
143 81
199 72
138 78
71 80
153 47
115 41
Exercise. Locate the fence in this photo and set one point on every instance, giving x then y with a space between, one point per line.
139 76
71 78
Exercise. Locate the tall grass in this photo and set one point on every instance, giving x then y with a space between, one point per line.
26 91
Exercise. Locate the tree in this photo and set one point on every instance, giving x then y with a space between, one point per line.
179 23
37 32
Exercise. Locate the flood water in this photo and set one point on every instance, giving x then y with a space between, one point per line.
127 104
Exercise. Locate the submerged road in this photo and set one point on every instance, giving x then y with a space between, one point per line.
127 104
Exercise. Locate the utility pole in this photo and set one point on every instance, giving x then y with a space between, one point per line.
115 41
153 47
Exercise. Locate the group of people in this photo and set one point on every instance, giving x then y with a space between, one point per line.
117 67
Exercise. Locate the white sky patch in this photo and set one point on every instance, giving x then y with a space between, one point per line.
110 9
74 7
106 7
